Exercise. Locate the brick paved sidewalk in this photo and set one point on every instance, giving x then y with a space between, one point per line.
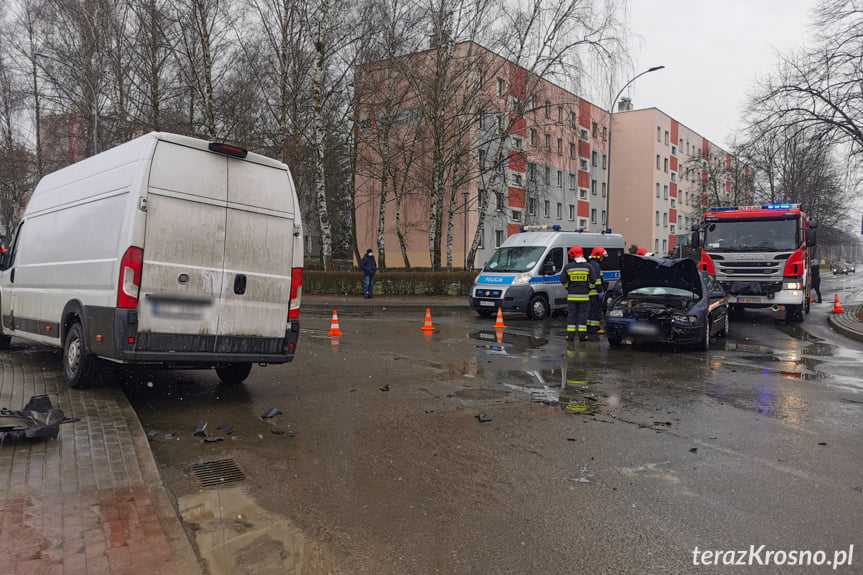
90 501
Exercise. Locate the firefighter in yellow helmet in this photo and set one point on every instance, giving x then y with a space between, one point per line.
597 290
578 277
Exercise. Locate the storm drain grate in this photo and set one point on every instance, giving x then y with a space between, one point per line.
215 473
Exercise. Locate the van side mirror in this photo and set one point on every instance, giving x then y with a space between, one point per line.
547 269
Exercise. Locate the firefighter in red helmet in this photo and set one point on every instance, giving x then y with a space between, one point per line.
594 307
641 252
578 277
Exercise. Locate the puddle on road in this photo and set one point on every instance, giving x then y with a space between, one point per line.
236 536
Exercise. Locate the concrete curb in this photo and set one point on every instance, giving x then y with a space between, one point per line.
847 323
185 556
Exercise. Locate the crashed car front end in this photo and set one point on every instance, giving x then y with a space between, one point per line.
661 318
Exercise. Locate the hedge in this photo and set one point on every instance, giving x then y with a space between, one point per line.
389 283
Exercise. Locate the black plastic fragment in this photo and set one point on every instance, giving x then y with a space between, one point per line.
272 412
200 430
228 429
482 418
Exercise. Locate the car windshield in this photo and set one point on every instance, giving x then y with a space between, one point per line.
516 259
747 235
662 291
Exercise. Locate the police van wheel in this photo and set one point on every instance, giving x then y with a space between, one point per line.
234 373
4 341
78 365
537 308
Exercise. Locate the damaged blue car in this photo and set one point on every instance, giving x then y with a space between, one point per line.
666 301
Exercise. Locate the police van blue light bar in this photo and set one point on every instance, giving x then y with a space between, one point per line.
555 228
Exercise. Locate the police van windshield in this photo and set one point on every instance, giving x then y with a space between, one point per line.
516 259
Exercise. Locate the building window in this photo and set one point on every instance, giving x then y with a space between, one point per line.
572 119
516 179
482 159
499 87
583 134
582 164
518 143
547 109
593 188
546 207
658 134
671 227
531 172
480 118
560 114
572 181
664 220
673 150
559 210
559 179
533 137
603 219
657 218
582 193
594 158
571 212
673 176
666 137
603 161
593 215
604 134
603 189
481 235
582 223
547 176
595 133
656 246
516 215
665 165
657 189
571 151
664 246
548 143
482 198
673 202
531 206
498 238
499 201
664 192
559 147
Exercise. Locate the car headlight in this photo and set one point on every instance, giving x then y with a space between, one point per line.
615 313
686 319
521 279
792 285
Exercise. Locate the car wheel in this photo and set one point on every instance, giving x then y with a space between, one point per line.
705 344
234 373
537 308
485 313
726 323
78 365
614 340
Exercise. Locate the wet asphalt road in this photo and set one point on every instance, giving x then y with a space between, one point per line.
594 459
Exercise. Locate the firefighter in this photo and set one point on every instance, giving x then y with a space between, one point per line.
641 252
594 308
578 278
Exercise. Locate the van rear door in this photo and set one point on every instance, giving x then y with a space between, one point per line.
217 254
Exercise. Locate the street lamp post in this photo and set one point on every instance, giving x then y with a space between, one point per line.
94 97
608 159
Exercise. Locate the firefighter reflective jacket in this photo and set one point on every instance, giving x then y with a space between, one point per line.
578 277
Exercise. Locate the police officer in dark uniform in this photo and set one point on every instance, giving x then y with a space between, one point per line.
594 307
815 271
578 277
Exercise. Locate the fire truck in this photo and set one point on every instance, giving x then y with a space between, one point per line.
760 255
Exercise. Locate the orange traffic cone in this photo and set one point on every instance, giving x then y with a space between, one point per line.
334 326
499 324
428 325
836 307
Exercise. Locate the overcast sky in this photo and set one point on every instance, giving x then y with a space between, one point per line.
713 52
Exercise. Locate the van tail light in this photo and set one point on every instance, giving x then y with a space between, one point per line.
706 264
296 293
794 267
130 278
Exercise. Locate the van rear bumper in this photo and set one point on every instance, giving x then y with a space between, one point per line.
122 342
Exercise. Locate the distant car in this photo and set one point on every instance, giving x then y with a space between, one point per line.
840 268
851 268
666 301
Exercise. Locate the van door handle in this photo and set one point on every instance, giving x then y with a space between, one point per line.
12 276
240 284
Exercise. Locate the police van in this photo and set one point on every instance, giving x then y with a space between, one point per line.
523 274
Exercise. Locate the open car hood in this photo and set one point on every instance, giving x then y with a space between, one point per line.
647 271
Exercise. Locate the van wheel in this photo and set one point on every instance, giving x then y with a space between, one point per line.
4 341
78 365
537 308
234 373
614 340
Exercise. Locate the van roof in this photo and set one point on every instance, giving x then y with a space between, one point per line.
565 239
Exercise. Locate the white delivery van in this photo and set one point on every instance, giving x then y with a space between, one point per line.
166 250
523 274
